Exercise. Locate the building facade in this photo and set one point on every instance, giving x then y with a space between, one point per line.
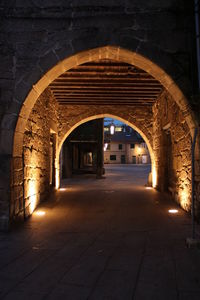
125 146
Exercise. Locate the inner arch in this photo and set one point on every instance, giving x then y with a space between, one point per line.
107 115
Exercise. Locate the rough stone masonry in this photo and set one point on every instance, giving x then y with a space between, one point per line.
38 35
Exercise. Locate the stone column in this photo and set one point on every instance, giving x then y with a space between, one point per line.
100 145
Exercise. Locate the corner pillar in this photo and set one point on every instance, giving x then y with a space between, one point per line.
100 144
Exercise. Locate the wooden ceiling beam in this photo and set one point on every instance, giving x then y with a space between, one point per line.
107 97
106 69
104 93
104 79
102 88
106 82
103 73
138 85
106 62
105 103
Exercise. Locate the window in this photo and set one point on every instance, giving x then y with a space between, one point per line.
120 146
112 157
117 128
132 146
108 147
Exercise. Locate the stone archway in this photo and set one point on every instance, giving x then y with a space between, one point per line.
140 129
113 53
108 52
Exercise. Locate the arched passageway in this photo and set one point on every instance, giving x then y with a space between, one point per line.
93 145
148 142
160 113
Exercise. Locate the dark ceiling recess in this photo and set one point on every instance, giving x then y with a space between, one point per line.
106 82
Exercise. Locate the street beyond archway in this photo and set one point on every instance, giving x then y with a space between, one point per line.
100 239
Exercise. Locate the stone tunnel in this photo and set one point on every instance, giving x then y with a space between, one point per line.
62 68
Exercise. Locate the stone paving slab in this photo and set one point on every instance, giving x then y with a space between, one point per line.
95 244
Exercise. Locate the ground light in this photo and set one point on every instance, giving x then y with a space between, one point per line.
62 189
148 188
40 213
173 211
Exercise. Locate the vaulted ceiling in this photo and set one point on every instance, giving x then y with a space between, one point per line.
106 82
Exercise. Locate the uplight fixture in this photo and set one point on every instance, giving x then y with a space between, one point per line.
40 213
173 211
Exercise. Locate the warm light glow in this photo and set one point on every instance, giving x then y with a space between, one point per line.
173 211
62 189
32 196
33 203
105 146
148 188
57 183
40 213
112 129
184 196
139 150
154 176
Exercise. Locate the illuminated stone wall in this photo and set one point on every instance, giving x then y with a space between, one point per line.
70 115
31 173
169 123
38 35
30 178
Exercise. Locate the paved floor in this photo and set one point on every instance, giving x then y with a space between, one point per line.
102 239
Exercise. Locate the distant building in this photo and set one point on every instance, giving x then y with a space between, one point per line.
125 146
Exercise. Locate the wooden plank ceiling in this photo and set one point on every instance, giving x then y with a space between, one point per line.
106 82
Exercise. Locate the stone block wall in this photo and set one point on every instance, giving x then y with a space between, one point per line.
31 172
30 176
37 35
70 115
169 123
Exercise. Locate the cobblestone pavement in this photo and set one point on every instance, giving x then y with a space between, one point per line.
102 239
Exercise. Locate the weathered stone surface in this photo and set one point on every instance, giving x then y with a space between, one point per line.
70 115
168 120
31 172
36 35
